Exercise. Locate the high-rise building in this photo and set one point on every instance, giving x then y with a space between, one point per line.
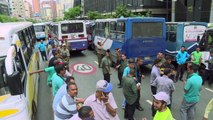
17 8
28 9
48 9
36 8
4 7
62 6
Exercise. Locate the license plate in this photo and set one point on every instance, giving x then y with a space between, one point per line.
147 58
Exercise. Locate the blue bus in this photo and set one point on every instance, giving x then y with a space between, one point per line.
136 36
183 34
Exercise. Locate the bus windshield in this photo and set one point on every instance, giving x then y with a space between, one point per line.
147 30
71 28
39 28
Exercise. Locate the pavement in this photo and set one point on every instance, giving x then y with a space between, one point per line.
87 74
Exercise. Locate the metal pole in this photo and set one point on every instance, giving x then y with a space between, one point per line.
167 5
173 11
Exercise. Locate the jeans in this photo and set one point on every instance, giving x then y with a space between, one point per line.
187 110
43 55
120 75
180 72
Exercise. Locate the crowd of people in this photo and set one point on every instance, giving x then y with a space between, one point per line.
102 106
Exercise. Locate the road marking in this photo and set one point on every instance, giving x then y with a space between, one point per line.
209 89
149 101
83 68
96 62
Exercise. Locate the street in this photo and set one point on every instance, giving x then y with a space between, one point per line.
88 74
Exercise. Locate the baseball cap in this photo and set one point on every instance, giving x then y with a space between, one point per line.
104 86
162 96
131 60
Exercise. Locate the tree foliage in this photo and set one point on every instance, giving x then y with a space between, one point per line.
72 13
92 15
4 18
123 11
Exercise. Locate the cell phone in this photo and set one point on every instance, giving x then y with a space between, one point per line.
103 94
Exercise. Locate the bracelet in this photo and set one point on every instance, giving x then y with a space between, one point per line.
106 103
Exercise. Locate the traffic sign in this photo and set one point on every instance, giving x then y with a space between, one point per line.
83 68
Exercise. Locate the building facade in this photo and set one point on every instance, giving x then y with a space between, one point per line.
63 6
28 9
36 8
17 9
4 7
48 9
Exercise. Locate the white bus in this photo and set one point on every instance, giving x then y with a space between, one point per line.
74 32
40 31
18 90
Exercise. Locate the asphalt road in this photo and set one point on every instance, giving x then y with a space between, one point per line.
87 76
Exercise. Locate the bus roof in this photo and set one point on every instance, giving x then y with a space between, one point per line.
37 24
71 21
106 20
188 23
6 32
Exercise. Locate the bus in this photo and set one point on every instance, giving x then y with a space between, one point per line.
136 36
40 31
18 90
206 44
73 32
183 34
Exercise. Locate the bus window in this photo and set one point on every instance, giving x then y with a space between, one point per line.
147 30
39 28
19 64
24 46
171 32
120 31
112 30
71 28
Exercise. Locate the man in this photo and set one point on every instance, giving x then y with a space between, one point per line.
139 76
160 56
56 56
106 64
100 52
165 84
57 78
121 66
168 65
209 108
196 56
102 102
126 72
192 90
65 53
181 58
61 92
42 49
68 105
154 74
160 101
84 113
130 91
209 68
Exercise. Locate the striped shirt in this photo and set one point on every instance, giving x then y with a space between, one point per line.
66 108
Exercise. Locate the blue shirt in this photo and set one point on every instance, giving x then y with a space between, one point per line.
126 72
181 57
58 96
193 86
42 46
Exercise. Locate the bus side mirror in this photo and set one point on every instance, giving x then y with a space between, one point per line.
198 38
14 83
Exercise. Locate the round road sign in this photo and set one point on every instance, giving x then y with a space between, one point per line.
83 68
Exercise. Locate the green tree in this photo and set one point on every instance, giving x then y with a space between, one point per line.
4 18
72 13
92 15
57 19
123 11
